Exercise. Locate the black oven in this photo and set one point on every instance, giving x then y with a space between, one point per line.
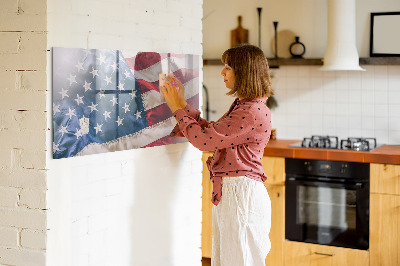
327 202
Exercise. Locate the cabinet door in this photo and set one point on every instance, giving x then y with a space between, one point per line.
274 168
305 254
384 229
385 178
277 233
206 232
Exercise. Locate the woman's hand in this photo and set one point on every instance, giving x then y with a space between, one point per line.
174 94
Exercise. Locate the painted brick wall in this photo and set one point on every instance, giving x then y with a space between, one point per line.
23 132
136 207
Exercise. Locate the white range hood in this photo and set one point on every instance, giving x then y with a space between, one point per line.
341 51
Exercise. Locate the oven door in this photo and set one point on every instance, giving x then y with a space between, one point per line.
327 213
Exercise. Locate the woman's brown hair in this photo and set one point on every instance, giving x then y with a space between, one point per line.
250 66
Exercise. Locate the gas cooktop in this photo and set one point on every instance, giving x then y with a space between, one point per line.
332 142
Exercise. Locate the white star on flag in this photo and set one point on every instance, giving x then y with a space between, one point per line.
55 147
56 109
94 72
98 128
93 107
138 115
121 86
102 59
87 86
106 115
101 93
71 113
78 133
114 101
114 66
119 121
63 93
133 94
126 108
63 130
79 66
72 79
108 80
127 74
79 99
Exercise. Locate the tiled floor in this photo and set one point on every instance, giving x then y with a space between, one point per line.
206 261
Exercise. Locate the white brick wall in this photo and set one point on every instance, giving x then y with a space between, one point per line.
23 132
101 207
136 207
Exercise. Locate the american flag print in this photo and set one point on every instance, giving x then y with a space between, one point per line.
109 100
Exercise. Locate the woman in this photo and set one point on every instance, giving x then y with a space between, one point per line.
242 207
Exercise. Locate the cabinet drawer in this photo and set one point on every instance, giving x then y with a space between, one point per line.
305 254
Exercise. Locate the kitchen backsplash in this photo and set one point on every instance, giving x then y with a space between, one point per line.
314 102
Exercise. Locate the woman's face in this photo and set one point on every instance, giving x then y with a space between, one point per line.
229 76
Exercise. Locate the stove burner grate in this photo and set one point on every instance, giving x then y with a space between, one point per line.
332 142
358 144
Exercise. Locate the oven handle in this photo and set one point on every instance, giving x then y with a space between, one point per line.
357 185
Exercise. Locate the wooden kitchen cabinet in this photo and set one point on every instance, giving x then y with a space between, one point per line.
385 178
305 254
277 233
274 168
384 237
206 225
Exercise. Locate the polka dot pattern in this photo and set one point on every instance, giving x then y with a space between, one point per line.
238 139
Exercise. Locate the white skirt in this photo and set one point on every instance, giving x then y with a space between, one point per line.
241 223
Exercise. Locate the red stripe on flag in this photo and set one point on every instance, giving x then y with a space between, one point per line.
165 141
158 114
162 112
145 86
193 101
147 59
131 62
184 75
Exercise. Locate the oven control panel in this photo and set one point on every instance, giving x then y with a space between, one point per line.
338 169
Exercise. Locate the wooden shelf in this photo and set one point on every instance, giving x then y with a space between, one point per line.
274 63
380 61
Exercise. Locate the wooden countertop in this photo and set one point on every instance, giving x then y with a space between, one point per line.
389 154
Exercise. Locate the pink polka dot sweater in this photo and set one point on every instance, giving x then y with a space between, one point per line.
238 139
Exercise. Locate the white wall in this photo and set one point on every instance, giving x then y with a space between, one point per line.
135 207
304 18
343 104
311 102
23 133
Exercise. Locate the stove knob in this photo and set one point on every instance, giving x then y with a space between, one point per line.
343 168
308 166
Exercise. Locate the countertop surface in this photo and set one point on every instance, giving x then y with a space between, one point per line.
389 154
